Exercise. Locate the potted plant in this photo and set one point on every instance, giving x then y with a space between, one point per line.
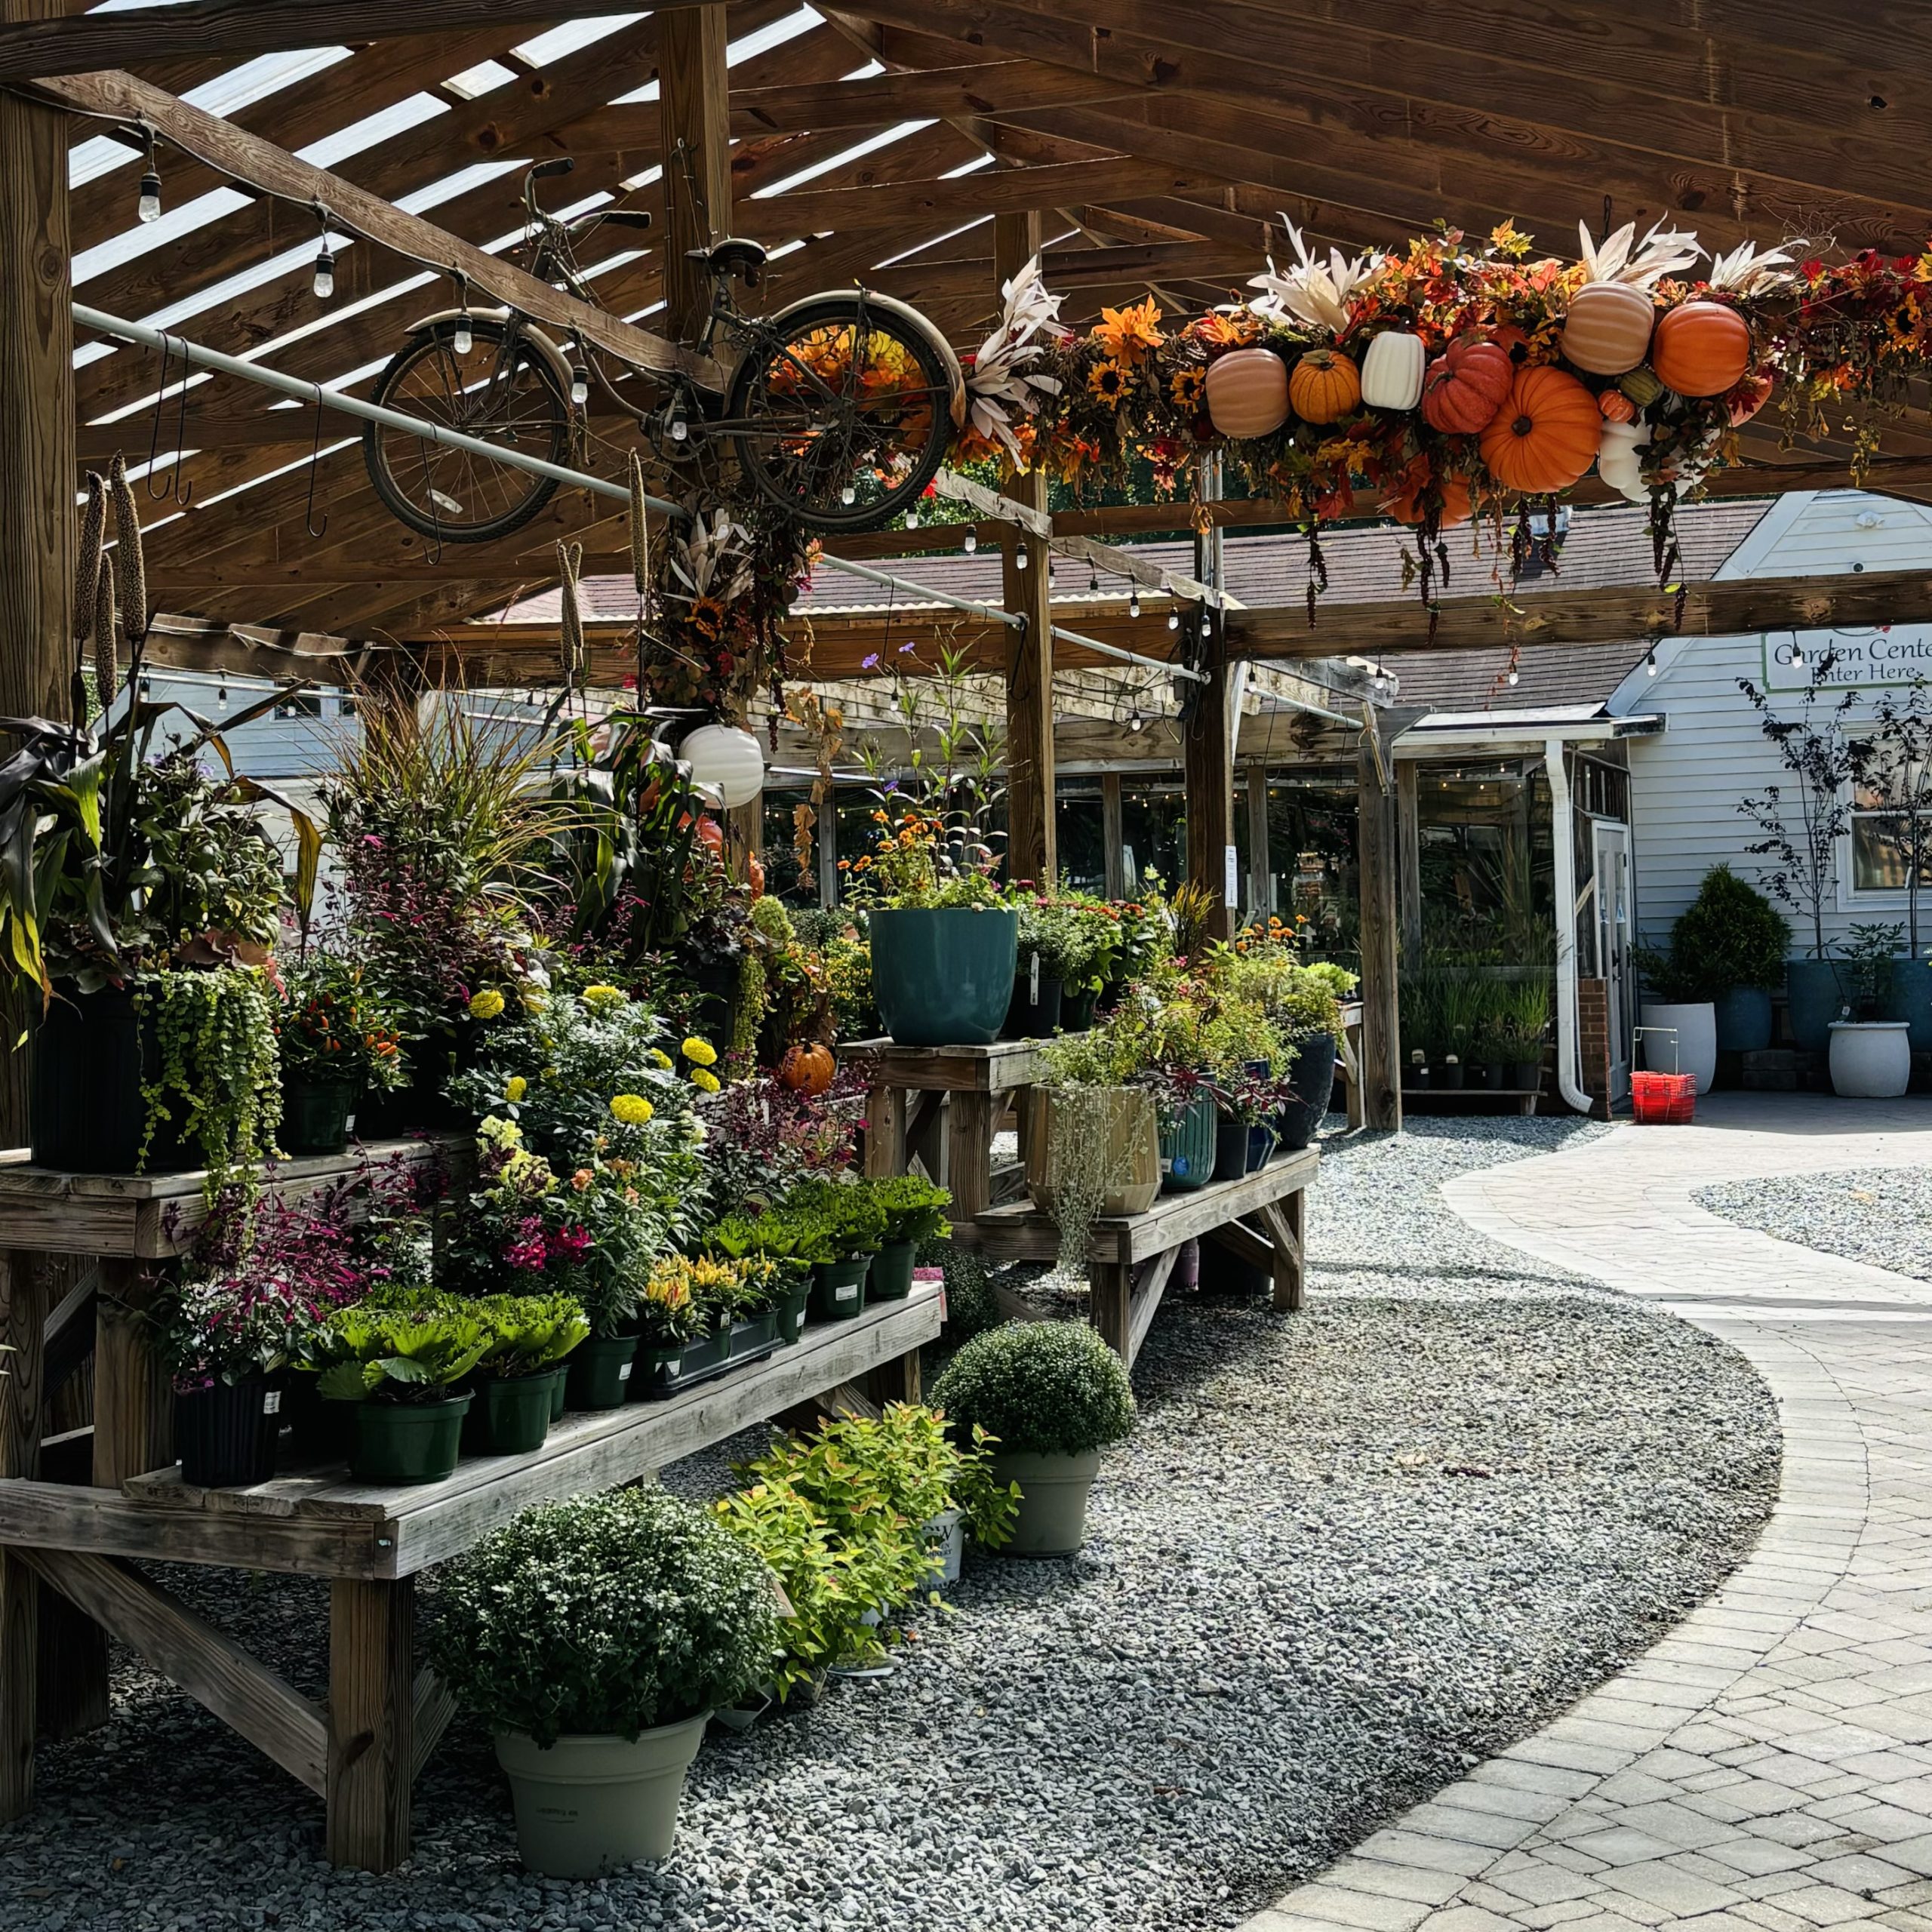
1730 942
676 1323
769 1238
1801 825
1093 1141
1046 957
1091 944
1523 1026
1677 1016
221 1339
1052 1395
840 1228
516 1379
1870 1056
335 1043
1248 1100
401 1367
915 1213
594 1637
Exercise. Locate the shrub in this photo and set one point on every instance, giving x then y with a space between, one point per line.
1039 1387
1730 935
971 1307
611 1614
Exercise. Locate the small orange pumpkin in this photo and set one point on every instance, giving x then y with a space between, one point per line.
1608 327
1701 349
1247 392
1466 385
807 1068
1545 434
1404 501
1325 386
1613 406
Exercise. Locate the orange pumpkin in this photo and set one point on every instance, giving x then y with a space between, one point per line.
1325 386
1545 435
1750 396
1247 392
807 1068
1465 386
710 832
1613 406
1608 327
1702 348
1404 501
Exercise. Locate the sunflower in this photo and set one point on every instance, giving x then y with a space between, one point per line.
1108 380
1189 388
708 614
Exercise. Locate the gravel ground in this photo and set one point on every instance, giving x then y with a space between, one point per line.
1346 1554
1879 1215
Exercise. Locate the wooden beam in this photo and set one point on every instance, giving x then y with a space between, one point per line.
695 131
224 30
1113 838
260 163
23 1308
1375 868
213 1669
935 93
1032 850
372 1709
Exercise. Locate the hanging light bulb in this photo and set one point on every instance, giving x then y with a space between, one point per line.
912 519
324 272
149 207
972 542
580 387
1174 621
680 429
1651 663
1133 601
1135 721
1513 677
848 496
221 697
1020 559
1094 582
1797 652
462 339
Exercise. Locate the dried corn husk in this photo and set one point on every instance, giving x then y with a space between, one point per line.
576 658
86 557
106 666
131 569
640 531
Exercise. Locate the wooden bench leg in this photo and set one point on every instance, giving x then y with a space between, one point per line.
1112 1286
885 1132
969 1153
372 1696
895 1381
22 1318
1285 1221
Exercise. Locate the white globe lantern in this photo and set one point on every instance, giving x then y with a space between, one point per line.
725 759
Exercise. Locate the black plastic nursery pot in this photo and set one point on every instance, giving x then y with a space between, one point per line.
1448 1078
510 1415
598 1372
315 1115
891 1277
1526 1075
1230 1149
407 1442
1035 1014
1076 1009
838 1287
226 1433
1496 1076
753 1340
90 1052
789 1315
669 1369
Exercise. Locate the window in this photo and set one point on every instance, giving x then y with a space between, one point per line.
1891 828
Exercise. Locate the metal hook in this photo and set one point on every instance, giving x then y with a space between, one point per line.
173 487
315 464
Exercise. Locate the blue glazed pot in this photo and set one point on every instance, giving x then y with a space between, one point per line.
1910 1000
1817 996
1744 1020
944 978
1187 1151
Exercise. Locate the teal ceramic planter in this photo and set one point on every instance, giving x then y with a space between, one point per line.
1817 996
944 978
1187 1151
1910 1000
1744 1020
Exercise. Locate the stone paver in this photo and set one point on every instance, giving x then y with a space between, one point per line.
1768 1767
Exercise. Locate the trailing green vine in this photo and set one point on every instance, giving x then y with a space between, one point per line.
217 1083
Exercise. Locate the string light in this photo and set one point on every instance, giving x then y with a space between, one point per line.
324 272
1133 601
1651 663
972 542
1513 677
1020 559
1174 621
1093 582
149 207
580 392
221 697
912 519
1135 721
461 340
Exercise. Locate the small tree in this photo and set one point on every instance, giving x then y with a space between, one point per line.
1802 823
1901 780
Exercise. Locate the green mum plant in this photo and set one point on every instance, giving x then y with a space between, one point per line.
1039 1387
604 1615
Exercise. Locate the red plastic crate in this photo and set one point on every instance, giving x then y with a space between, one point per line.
1663 1100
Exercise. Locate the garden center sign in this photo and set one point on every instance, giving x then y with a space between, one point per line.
1889 654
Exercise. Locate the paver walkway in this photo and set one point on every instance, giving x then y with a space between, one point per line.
1768 1767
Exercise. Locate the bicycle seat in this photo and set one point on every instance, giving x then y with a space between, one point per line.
733 256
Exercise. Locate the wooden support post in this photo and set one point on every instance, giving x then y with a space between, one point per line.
1260 899
1381 1054
134 1407
1111 1304
694 116
1208 767
372 1698
894 1381
1113 837
23 1309
1286 1221
1032 849
745 824
826 845
969 1152
885 1132
1408 828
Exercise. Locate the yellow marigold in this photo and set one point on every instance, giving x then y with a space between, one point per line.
633 1109
703 1077
486 1005
515 1087
659 1057
598 998
701 1052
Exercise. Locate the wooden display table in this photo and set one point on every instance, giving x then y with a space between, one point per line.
942 1103
1132 1256
361 1752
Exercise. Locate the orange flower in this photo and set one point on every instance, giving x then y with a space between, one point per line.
1127 334
582 1179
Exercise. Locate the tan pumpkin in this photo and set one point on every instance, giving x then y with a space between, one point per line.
1247 392
1613 406
1325 386
807 1068
1466 385
1545 434
1701 349
1608 327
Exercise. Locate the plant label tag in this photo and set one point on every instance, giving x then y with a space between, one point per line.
942 1304
272 1403
1033 982
1230 878
845 1292
624 1372
348 1123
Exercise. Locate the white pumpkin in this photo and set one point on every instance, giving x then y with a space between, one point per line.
1392 370
1619 461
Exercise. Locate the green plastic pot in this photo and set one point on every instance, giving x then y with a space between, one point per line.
1054 1489
790 1314
511 1416
1187 1150
891 1277
599 1372
944 977
559 1393
839 1288
407 1442
315 1115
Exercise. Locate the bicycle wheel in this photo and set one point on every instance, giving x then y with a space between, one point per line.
840 412
453 495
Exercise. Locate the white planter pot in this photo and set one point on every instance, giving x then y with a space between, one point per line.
1694 1050
945 1539
1871 1059
588 1805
